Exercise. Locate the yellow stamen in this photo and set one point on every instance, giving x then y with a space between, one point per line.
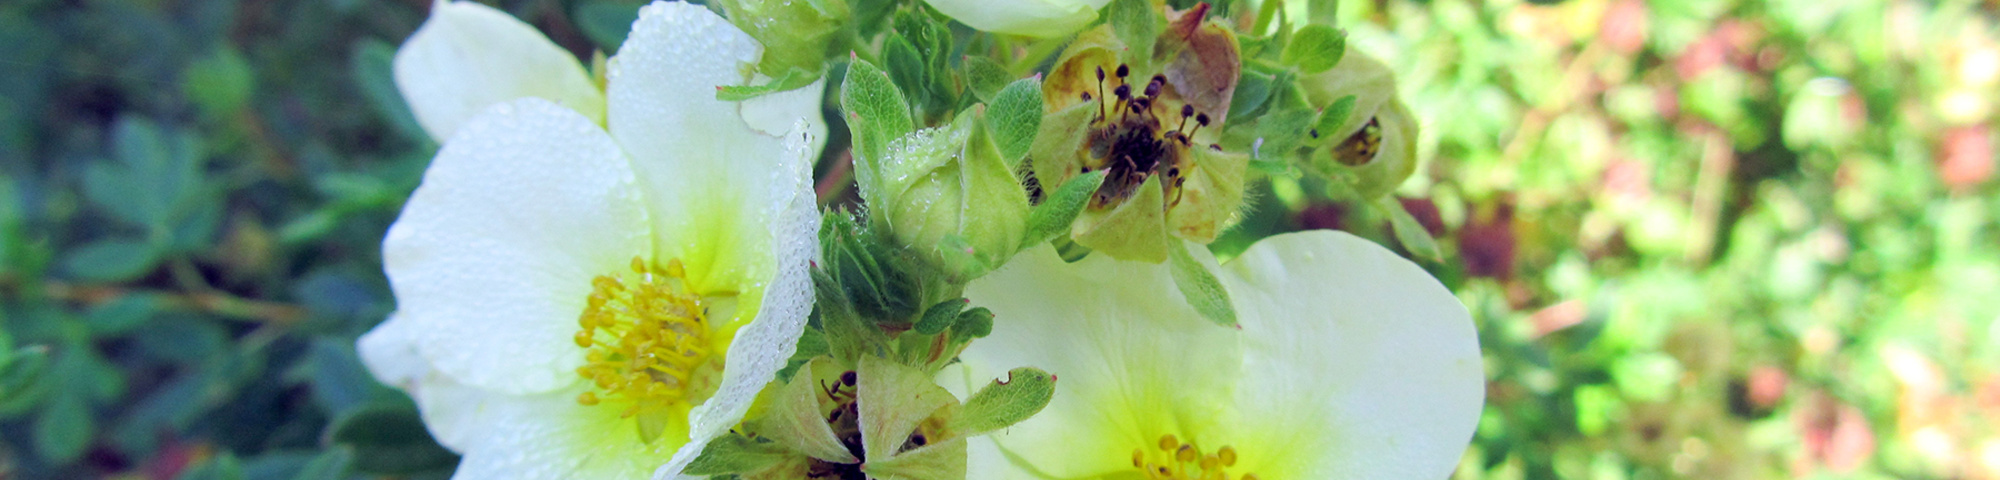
1185 461
646 337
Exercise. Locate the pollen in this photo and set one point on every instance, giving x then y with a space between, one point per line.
1172 459
645 339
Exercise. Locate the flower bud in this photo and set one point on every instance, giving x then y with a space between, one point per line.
794 32
1374 150
947 193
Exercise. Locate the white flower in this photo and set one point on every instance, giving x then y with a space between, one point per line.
469 56
1038 18
1351 363
598 302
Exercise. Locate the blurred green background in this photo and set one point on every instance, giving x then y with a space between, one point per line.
1702 238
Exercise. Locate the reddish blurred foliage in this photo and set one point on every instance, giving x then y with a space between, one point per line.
1557 317
1486 244
1326 216
1767 386
1836 436
1730 42
1966 157
1624 26
1426 213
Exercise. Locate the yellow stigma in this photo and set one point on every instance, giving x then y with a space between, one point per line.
645 338
1174 460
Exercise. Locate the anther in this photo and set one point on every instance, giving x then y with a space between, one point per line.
847 378
1168 442
1123 92
1138 458
1123 70
1100 73
1227 455
1186 453
1153 87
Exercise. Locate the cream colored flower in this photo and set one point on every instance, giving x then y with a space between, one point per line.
1351 363
598 302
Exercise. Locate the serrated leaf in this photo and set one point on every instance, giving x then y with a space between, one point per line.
1409 231
1005 402
113 260
1015 116
1204 292
1315 48
1059 209
607 23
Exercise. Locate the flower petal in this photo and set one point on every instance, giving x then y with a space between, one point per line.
706 171
762 347
494 254
1039 18
469 56
550 437
390 353
1357 364
1135 361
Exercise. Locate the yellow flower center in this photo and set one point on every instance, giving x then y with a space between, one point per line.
1174 460
646 340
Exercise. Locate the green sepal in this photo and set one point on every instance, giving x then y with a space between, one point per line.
940 316
736 454
893 400
793 79
943 460
1059 209
793 421
972 324
1203 290
1408 230
1004 403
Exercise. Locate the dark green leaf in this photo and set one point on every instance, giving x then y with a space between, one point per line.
389 439
113 260
607 22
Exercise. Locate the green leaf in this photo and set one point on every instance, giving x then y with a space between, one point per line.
1252 89
328 465
220 83
1004 403
219 467
876 114
985 77
607 23
1204 292
906 66
64 428
123 313
390 439
1059 208
1409 231
940 316
733 453
1330 120
114 260
1138 24
1315 48
1015 116
374 75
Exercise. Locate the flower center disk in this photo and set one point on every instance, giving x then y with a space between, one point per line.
1171 459
645 338
1131 139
